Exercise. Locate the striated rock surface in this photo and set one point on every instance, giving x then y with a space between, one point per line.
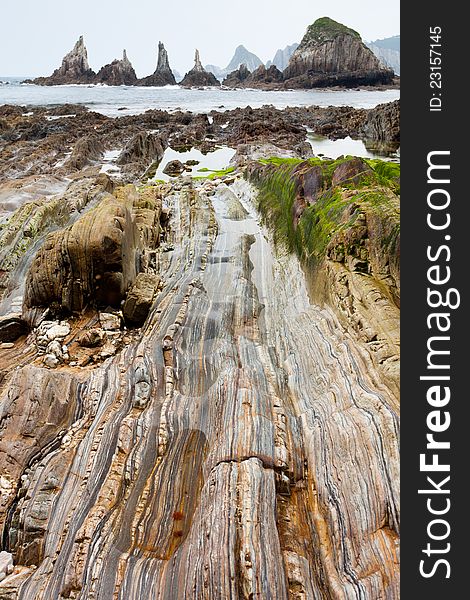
226 451
239 437
140 298
119 72
332 54
383 123
198 76
140 152
74 68
163 74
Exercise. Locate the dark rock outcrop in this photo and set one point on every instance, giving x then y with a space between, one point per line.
74 68
12 327
237 78
174 168
333 54
163 74
141 151
261 77
119 72
383 123
198 76
265 75
87 149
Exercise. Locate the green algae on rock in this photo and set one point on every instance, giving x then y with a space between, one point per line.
348 236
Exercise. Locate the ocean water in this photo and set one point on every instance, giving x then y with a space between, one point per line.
324 147
125 100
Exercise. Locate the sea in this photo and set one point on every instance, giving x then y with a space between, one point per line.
115 101
118 100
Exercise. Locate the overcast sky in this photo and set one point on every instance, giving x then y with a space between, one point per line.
36 34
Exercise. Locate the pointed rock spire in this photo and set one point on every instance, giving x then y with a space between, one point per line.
197 62
163 63
163 74
198 76
74 68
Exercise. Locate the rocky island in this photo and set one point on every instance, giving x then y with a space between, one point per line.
198 76
119 72
198 371
333 54
74 68
163 75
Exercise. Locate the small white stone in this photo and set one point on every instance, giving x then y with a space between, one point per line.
110 322
57 332
51 361
54 348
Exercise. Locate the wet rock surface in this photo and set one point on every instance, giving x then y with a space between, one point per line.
184 418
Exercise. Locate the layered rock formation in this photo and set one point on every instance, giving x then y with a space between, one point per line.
163 75
199 426
383 123
333 54
74 68
198 76
119 72
209 456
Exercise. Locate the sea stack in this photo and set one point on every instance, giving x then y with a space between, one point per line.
74 68
119 72
198 76
163 74
332 54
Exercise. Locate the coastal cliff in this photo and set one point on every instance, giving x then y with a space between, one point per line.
330 54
